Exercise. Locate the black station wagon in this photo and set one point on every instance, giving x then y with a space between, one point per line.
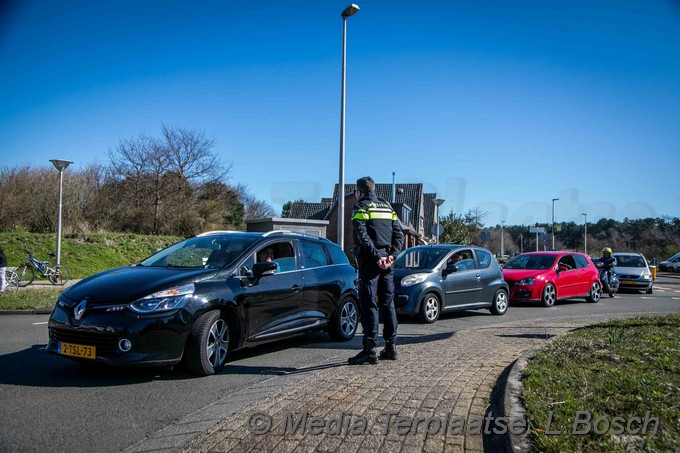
203 297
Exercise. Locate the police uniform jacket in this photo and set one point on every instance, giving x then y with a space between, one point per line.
376 229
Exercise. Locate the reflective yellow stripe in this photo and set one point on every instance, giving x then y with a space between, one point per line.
360 215
380 215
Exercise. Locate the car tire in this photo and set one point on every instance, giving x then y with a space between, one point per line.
345 321
650 290
208 345
549 296
595 293
500 303
430 308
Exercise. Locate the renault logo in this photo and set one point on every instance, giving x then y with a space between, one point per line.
80 309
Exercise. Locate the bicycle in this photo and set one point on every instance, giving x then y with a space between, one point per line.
57 275
11 279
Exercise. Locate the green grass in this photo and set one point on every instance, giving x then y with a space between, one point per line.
624 368
29 299
83 254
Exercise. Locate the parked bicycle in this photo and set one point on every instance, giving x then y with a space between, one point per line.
57 275
11 279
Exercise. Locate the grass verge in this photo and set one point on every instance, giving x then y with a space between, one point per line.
615 374
29 299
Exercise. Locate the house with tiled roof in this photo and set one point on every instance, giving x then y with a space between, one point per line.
414 209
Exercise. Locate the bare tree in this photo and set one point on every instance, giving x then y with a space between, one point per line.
189 155
254 208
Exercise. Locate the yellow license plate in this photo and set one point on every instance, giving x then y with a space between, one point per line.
628 282
78 350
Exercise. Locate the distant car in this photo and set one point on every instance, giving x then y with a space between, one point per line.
550 276
434 279
633 272
206 296
671 264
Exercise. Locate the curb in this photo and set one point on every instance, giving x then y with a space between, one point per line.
512 402
505 402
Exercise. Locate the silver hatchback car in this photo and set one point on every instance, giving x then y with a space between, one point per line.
633 271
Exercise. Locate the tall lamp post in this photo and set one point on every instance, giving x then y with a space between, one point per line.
437 202
60 165
585 232
502 248
553 222
349 11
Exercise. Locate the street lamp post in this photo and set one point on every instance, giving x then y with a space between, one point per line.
437 202
585 232
553 222
502 248
60 165
347 12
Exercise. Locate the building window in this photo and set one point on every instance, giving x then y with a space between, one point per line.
405 215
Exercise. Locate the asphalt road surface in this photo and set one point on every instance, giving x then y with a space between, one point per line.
49 403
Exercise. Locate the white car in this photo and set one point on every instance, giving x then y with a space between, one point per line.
633 272
672 264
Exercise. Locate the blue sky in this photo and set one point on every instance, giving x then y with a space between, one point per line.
497 105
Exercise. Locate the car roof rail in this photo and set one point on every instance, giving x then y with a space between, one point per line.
210 233
299 233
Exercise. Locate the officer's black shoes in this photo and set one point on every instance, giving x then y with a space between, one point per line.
389 353
365 356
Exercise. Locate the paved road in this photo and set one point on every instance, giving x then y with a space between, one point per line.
51 404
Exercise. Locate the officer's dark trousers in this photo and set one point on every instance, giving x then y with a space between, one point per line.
377 283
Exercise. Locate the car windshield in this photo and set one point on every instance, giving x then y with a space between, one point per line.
203 252
630 261
535 262
420 258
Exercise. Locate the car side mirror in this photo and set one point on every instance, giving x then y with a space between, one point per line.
263 269
562 268
450 269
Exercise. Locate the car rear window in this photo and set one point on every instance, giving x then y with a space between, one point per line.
337 255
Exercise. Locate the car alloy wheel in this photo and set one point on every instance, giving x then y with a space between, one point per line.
595 292
208 345
430 308
549 295
345 322
500 303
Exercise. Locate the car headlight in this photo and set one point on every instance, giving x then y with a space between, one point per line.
646 276
527 281
169 299
413 279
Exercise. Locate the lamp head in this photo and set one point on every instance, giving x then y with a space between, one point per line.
438 201
60 164
350 11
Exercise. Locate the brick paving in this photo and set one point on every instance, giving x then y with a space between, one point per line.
433 384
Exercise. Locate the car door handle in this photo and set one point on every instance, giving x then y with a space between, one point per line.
296 288
479 276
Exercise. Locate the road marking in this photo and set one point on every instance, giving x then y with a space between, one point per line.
39 323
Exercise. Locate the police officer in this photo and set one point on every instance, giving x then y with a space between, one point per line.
378 239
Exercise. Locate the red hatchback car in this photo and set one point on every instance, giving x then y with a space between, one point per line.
549 276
